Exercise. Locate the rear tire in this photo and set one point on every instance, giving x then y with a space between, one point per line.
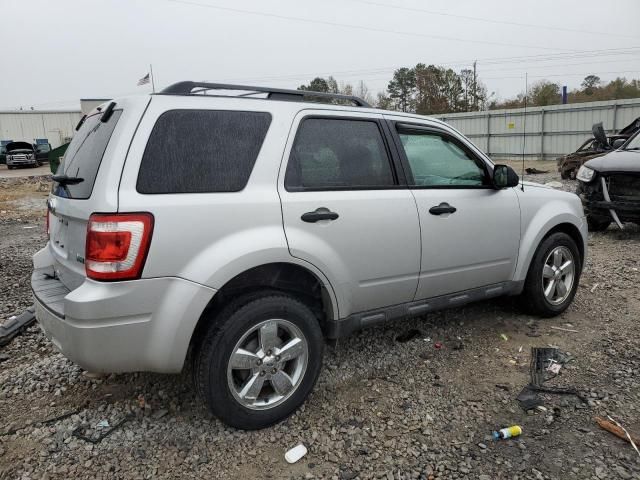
10 167
551 282
259 360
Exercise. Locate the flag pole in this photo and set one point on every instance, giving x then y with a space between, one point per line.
153 85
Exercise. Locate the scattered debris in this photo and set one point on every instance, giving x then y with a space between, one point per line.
593 289
296 453
14 325
619 431
508 432
504 337
528 398
546 363
554 367
438 345
103 424
565 329
553 184
408 335
541 408
79 433
502 386
158 414
535 171
51 420
48 421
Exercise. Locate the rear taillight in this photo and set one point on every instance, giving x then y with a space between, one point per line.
117 245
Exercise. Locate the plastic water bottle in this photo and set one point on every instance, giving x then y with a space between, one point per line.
508 432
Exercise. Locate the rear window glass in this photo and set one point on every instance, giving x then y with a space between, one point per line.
82 158
201 151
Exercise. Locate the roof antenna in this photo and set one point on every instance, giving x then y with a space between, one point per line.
524 126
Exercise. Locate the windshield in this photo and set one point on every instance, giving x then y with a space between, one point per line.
633 143
82 158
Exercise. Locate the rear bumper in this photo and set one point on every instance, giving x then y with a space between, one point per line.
140 325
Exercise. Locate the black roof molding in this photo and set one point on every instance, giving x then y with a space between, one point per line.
191 88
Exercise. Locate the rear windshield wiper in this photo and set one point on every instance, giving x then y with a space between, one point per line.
65 180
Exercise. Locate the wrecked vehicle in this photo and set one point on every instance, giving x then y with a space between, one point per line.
609 187
599 145
21 154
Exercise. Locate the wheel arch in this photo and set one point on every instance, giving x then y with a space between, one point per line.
298 280
565 225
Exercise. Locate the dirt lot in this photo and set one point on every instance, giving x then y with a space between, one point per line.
24 172
381 408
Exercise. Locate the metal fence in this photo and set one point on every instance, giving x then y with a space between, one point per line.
551 131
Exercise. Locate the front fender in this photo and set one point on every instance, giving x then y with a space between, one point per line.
536 225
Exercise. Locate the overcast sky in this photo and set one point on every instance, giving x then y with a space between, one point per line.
55 52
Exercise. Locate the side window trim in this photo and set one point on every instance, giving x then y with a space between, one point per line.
399 181
395 126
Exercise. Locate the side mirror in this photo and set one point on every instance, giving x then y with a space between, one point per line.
618 142
504 177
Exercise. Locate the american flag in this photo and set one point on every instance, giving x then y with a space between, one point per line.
144 80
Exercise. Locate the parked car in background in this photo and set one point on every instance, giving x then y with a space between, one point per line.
609 186
238 232
21 154
600 144
42 152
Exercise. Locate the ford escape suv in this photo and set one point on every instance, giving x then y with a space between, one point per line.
238 227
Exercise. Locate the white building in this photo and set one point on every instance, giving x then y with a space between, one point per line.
57 126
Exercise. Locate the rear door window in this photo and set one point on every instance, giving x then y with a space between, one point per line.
202 151
84 155
335 153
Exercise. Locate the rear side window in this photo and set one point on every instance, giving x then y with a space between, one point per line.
333 153
84 155
202 151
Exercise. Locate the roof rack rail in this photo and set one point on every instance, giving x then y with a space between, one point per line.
191 88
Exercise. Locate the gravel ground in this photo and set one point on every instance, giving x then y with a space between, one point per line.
381 409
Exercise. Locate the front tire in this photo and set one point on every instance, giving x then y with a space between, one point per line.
553 275
597 224
259 360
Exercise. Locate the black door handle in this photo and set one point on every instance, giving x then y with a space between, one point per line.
319 214
444 207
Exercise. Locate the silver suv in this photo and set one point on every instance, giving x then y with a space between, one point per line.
238 227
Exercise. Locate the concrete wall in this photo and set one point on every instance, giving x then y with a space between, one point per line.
550 131
57 126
